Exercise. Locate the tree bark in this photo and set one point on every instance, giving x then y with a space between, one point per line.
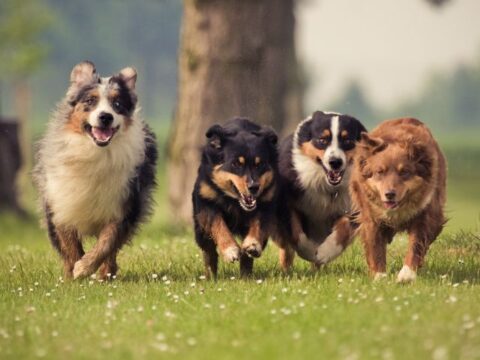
236 58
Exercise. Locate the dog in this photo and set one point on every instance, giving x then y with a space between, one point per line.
399 184
95 170
313 215
235 193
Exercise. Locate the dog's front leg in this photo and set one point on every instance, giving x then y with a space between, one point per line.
107 243
375 240
256 239
223 238
341 236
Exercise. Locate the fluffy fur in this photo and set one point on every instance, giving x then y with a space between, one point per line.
398 184
235 193
95 170
314 205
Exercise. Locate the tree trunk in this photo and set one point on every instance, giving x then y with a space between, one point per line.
236 58
10 162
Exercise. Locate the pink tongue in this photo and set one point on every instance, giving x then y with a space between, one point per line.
102 134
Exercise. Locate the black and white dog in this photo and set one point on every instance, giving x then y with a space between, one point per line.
314 204
95 170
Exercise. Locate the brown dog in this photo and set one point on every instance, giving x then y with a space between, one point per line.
398 184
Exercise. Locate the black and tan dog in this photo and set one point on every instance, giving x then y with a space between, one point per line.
235 193
314 203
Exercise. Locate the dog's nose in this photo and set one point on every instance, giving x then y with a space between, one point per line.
390 194
335 163
253 188
105 118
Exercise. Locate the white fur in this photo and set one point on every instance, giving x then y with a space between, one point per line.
333 150
329 249
86 186
231 254
252 243
81 269
406 274
379 276
306 248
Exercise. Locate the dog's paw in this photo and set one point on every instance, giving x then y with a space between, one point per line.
328 250
81 270
252 247
378 276
231 254
406 275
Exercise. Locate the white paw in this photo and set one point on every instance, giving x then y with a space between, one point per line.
252 247
406 274
231 254
328 250
81 269
379 276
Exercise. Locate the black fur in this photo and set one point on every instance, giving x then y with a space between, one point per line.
237 137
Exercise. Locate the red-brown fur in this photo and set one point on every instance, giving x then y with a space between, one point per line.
402 156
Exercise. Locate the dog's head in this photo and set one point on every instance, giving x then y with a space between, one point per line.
328 140
395 173
101 106
242 158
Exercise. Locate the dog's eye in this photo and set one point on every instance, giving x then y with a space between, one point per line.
380 172
117 105
321 142
90 101
405 173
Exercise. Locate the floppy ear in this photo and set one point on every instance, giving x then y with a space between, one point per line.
422 158
372 144
361 129
129 76
215 135
82 74
269 134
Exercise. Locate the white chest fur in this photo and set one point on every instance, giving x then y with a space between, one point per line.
87 186
320 201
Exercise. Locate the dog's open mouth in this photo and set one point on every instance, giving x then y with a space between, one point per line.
101 135
248 202
390 204
334 177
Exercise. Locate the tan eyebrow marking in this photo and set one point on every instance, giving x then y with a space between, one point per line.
257 160
241 160
326 133
344 134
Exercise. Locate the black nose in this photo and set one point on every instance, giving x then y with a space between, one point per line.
253 188
335 163
390 194
105 118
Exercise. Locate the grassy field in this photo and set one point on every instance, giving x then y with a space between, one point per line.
161 306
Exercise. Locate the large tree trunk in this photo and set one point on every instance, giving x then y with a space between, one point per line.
236 58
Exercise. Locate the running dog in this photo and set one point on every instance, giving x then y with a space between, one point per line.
235 193
398 184
314 204
95 170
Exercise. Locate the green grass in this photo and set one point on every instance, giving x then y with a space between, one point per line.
160 306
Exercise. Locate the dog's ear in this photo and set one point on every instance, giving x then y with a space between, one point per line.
216 135
82 74
268 134
360 129
304 131
372 144
129 76
421 156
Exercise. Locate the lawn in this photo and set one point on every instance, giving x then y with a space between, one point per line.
161 306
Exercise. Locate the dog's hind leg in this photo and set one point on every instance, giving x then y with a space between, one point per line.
68 244
109 267
210 258
286 255
109 241
246 265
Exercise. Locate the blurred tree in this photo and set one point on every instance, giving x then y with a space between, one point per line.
21 52
236 58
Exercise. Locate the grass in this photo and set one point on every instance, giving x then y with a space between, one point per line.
161 306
